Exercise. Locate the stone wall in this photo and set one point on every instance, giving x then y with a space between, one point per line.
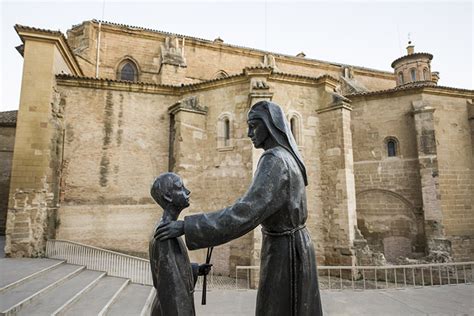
456 172
205 59
34 185
389 204
116 142
7 141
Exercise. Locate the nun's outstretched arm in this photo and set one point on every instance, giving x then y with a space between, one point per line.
266 195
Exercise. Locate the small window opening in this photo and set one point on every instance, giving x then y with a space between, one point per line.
413 74
400 77
226 132
391 148
425 74
293 126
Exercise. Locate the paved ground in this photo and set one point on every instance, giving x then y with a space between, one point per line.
444 300
440 300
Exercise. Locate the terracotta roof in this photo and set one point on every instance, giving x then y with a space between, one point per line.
8 118
412 56
19 28
69 76
235 46
412 86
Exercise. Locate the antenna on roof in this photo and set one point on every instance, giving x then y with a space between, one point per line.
103 10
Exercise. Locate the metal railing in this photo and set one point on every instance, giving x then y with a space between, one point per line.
330 277
379 277
114 263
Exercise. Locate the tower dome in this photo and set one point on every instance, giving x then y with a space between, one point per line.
414 68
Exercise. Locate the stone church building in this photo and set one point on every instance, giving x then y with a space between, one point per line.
389 155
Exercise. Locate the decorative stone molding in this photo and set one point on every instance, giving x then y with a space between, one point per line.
190 104
269 62
171 53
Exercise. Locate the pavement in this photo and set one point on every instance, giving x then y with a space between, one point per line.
439 300
434 300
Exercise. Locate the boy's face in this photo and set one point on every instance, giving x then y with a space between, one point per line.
179 194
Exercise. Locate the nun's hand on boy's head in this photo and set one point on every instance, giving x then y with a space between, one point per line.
169 230
204 269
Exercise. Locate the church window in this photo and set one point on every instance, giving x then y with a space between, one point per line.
392 146
221 74
225 131
425 74
127 70
400 77
294 119
293 126
413 74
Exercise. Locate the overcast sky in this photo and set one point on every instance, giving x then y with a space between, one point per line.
370 34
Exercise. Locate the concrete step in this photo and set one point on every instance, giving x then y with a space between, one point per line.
15 298
21 269
57 299
98 298
133 300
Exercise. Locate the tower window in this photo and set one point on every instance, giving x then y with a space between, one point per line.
413 74
400 77
425 74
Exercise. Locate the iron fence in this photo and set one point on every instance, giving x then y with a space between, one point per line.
246 277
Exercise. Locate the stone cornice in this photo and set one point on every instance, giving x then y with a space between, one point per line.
190 105
35 34
412 89
145 87
106 84
304 80
337 106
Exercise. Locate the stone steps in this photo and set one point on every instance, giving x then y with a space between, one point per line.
53 287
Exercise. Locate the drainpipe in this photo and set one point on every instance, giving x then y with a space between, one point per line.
98 52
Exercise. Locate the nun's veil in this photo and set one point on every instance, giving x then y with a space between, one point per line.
273 117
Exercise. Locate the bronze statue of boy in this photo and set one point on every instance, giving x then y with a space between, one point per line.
174 277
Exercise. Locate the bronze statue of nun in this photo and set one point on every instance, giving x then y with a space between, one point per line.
276 199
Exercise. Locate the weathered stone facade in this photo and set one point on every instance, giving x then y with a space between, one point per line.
7 141
390 172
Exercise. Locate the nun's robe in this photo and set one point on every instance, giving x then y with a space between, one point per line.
276 199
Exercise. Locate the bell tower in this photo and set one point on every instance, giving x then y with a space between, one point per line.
414 68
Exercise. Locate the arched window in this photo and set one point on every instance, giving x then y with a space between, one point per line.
221 74
225 131
127 70
413 74
400 77
293 126
391 144
425 74
294 118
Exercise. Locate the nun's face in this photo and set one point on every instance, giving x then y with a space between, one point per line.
258 132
